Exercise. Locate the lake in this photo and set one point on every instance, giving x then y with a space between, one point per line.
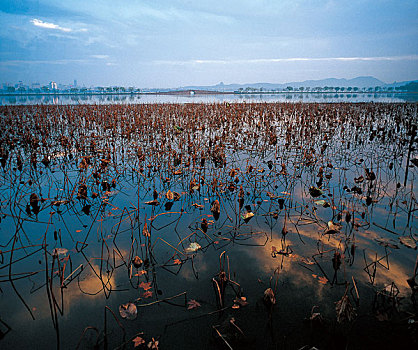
222 225
151 98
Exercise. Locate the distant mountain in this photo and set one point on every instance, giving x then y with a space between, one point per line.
399 84
360 82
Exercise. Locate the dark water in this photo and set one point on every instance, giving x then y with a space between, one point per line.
334 215
282 97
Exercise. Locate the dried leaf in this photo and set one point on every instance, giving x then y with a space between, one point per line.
215 207
138 341
386 243
169 195
137 262
140 273
145 231
153 344
408 242
193 247
332 228
247 216
192 304
322 280
145 285
323 203
242 301
128 311
147 294
315 191
59 251
344 309
269 297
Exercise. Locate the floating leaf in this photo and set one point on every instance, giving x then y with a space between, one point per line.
386 243
323 203
138 341
153 344
344 309
269 297
322 280
137 262
315 191
215 208
59 251
332 228
242 301
145 231
198 205
359 179
193 247
145 285
140 273
192 304
204 225
169 195
408 242
147 294
247 216
128 311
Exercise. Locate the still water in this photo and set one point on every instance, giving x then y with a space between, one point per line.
212 226
151 98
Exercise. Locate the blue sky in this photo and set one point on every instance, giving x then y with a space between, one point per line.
168 43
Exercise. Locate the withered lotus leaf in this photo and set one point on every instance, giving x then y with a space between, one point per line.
269 297
137 261
128 311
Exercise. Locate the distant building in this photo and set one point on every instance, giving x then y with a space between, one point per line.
53 85
75 82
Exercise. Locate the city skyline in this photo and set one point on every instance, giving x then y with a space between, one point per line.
169 44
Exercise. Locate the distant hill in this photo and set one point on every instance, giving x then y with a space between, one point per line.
360 82
400 84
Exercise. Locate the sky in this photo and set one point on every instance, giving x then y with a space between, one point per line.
169 43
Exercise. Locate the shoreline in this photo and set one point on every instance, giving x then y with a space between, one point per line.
203 92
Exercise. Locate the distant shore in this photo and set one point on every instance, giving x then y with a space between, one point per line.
198 92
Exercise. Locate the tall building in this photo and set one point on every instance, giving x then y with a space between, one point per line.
75 82
53 85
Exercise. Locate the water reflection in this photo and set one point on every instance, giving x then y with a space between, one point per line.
308 204
152 98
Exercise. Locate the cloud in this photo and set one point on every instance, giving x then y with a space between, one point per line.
292 59
100 57
35 62
48 25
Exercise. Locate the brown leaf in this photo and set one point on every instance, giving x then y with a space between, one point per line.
147 294
242 301
269 297
215 207
145 230
128 311
154 202
138 341
169 195
193 304
140 273
145 285
137 261
322 280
